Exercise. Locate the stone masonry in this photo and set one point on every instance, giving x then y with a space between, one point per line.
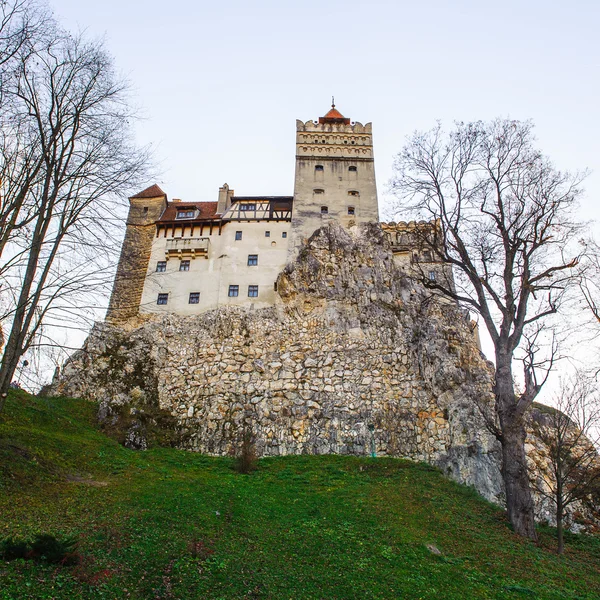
126 296
354 354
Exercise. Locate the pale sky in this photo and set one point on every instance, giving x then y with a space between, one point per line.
222 83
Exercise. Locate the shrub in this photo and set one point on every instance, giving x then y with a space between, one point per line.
11 549
48 548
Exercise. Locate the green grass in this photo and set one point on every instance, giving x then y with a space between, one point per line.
170 524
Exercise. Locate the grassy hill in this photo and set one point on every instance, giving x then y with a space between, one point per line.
169 524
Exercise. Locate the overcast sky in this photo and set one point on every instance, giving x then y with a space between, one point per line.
222 83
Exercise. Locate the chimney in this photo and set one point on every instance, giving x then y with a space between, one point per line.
225 195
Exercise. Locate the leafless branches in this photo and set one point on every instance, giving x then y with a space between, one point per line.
502 219
66 162
570 434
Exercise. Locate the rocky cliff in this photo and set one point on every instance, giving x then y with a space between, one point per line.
356 357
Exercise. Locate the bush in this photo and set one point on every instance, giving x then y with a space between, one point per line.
49 549
45 547
11 549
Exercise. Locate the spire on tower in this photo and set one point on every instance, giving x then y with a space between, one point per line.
334 115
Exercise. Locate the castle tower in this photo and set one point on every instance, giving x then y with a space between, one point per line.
144 210
335 175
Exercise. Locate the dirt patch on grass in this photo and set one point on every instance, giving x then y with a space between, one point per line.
86 481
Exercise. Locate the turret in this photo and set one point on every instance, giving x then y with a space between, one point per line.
144 210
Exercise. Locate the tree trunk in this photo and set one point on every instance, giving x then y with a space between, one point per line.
559 521
519 503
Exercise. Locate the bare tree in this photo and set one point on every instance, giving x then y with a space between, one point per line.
67 162
569 432
23 23
504 222
589 283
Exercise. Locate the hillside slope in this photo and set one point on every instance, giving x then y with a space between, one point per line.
165 523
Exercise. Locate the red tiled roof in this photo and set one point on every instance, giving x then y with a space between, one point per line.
334 116
152 192
206 210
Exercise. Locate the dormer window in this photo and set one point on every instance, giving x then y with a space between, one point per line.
186 214
245 207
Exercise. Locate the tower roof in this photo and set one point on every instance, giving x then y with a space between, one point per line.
152 192
334 116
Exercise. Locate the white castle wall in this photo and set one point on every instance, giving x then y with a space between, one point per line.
225 264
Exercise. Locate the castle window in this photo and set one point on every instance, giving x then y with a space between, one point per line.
185 214
324 210
319 191
145 209
351 210
238 236
431 275
284 234
252 291
245 207
353 193
161 266
234 291
267 234
252 260
352 169
275 287
318 167
184 265
426 256
162 299
194 298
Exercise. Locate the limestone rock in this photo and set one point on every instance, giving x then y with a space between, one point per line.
355 353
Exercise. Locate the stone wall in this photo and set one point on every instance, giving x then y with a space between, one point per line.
335 171
354 354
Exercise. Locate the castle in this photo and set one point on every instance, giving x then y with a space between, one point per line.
190 257
300 320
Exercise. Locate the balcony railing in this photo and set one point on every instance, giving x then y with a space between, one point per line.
187 246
